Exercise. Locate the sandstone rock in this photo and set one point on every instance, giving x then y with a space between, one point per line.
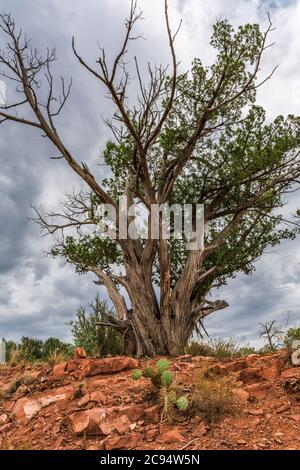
98 397
258 390
283 408
252 359
108 365
241 394
3 418
185 358
104 421
153 414
6 427
250 374
203 359
236 366
88 421
172 437
80 353
296 418
60 369
272 371
26 408
122 442
256 412
151 434
122 424
84 400
291 373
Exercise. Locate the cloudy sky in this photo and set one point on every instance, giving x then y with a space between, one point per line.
38 295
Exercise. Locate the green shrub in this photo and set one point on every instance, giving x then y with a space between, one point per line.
293 334
95 339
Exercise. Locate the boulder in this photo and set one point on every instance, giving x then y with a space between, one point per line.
26 408
80 353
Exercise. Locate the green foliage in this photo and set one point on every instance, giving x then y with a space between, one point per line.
182 403
293 334
166 378
148 372
94 338
136 374
162 365
35 350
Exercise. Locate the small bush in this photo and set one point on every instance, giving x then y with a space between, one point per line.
56 357
246 350
196 348
218 348
213 397
96 339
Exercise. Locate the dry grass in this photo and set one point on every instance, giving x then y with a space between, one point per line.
213 397
55 357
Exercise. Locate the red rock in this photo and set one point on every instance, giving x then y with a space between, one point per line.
283 408
153 414
272 371
60 369
133 412
26 408
108 365
172 437
250 374
256 412
293 372
151 434
84 400
73 365
88 421
258 390
3 418
8 406
5 427
295 417
236 366
80 353
241 394
122 424
185 358
252 359
122 442
200 429
98 397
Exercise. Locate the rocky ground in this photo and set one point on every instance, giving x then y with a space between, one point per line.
94 404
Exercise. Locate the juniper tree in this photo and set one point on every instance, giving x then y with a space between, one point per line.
193 136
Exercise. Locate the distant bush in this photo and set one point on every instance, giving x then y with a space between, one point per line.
94 338
244 351
35 350
293 334
218 348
